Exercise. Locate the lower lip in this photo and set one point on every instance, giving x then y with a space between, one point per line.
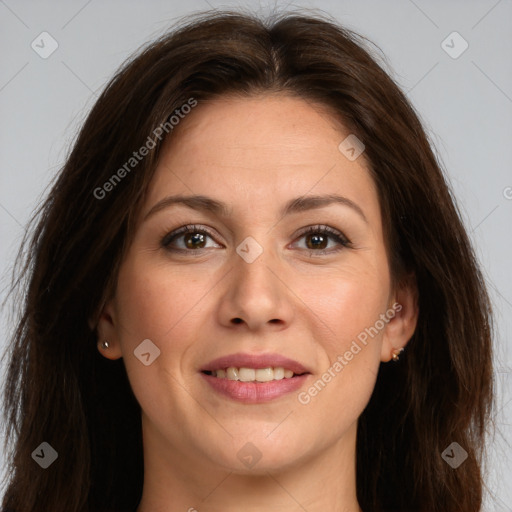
255 392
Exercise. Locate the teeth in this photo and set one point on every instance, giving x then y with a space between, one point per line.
232 373
253 375
279 373
246 374
264 374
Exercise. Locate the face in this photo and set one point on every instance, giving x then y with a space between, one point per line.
282 266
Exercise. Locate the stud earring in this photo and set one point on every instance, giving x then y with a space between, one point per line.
105 344
396 354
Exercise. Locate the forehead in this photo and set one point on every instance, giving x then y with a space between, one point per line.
260 149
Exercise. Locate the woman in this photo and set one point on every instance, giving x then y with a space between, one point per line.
250 288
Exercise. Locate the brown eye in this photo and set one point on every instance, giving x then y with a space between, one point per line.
188 238
194 240
316 241
322 240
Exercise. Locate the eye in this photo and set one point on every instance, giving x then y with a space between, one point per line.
318 239
188 238
323 240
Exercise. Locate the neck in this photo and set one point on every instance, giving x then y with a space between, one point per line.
177 482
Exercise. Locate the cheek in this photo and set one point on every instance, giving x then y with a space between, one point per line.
347 309
165 306
351 305
346 304
351 356
157 301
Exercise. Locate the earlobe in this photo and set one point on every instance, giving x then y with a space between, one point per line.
108 351
402 324
108 339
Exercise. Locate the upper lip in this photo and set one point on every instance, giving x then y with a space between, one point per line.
255 361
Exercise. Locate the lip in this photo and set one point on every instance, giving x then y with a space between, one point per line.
255 361
255 392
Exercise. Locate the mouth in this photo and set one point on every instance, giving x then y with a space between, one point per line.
253 378
244 374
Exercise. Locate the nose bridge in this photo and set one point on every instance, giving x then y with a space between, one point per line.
255 296
253 277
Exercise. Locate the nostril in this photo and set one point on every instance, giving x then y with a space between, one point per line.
237 320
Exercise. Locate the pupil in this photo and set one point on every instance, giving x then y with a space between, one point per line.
316 241
194 240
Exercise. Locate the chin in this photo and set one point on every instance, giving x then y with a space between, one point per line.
260 454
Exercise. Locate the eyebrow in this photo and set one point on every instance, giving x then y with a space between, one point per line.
297 205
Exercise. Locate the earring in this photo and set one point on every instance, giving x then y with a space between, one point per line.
105 344
396 354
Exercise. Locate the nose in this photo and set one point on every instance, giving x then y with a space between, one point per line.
254 297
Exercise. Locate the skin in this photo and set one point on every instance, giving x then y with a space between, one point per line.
255 154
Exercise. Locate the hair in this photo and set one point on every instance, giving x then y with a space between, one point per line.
60 390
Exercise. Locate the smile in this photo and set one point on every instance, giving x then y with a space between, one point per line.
252 374
254 378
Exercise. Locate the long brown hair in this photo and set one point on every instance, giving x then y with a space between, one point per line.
60 390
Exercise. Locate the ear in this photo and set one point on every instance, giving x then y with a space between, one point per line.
401 326
107 330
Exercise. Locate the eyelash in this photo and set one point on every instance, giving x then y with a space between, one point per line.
338 237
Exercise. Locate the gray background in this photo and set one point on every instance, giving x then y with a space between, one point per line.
465 104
